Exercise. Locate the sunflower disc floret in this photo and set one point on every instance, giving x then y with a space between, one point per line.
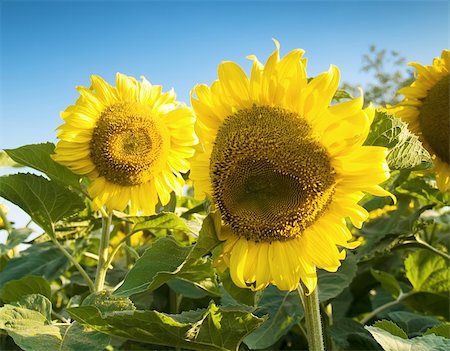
284 168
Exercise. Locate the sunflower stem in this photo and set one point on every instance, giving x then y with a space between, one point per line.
102 265
312 317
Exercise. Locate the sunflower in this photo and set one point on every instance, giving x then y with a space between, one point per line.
131 140
284 169
427 112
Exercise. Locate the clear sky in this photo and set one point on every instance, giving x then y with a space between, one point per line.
47 48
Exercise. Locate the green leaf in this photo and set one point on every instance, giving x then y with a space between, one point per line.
29 329
81 338
283 310
147 271
412 323
30 284
38 156
392 328
391 342
33 331
331 284
240 295
40 259
150 272
440 330
428 271
214 329
45 201
405 149
162 221
350 335
388 282
430 303
16 237
38 303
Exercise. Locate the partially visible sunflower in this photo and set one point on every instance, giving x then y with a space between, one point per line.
284 168
426 110
131 140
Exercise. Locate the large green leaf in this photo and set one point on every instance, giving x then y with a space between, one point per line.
150 271
38 303
39 259
413 324
213 329
45 201
164 256
29 329
38 156
392 328
405 149
428 271
351 335
331 284
233 295
30 284
32 331
78 337
391 342
283 310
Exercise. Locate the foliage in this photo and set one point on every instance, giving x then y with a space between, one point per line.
164 291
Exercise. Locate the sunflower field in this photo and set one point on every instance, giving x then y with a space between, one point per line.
275 211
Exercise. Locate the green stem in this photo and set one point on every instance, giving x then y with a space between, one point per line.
80 269
312 317
385 307
102 265
419 242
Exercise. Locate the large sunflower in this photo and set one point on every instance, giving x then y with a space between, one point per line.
426 110
284 168
131 140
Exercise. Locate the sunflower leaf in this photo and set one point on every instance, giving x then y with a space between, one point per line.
391 342
39 259
405 149
150 271
388 282
283 311
38 156
32 331
215 328
14 290
428 272
332 284
45 201
6 161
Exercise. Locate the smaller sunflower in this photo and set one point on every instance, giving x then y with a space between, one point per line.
427 112
132 141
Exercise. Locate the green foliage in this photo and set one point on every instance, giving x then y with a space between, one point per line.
215 328
405 149
164 289
283 311
391 342
39 259
45 201
30 284
38 156
428 272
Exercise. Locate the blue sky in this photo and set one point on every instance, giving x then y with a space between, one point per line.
47 48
